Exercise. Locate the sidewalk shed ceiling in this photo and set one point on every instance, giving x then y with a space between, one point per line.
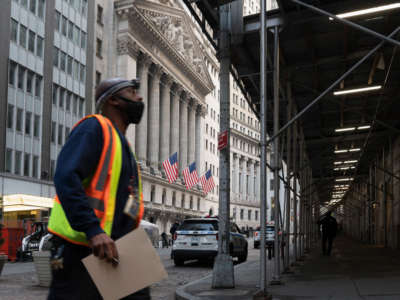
314 52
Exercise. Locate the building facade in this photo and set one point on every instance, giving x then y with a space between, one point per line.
45 78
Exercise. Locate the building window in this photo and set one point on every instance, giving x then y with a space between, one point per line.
256 215
55 94
56 54
241 214
234 213
198 204
77 38
22 35
24 3
11 73
70 30
8 160
191 202
28 121
69 65
68 101
271 184
19 119
67 131
61 100
64 26
164 196
36 126
98 78
29 81
99 47
81 109
17 163
83 73
83 40
31 41
58 20
63 58
38 86
21 77
41 9
60 134
249 215
10 116
84 7
99 15
39 46
75 104
35 166
14 30
32 6
27 160
183 201
52 168
53 132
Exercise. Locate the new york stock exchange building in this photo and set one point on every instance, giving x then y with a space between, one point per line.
154 41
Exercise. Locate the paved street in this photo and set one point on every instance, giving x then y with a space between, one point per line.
19 281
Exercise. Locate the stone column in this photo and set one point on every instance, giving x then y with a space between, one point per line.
199 115
236 158
252 194
165 119
141 128
183 132
175 118
257 192
154 118
244 177
192 131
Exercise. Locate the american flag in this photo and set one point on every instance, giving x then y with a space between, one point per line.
207 182
171 167
190 175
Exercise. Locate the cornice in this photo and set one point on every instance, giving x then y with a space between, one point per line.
142 23
126 45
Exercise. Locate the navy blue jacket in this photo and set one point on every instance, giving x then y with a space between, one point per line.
78 160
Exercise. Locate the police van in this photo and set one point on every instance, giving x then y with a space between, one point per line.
269 235
197 238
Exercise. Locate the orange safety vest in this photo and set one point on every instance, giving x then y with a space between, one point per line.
101 188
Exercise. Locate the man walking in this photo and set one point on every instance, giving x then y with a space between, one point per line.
99 192
329 230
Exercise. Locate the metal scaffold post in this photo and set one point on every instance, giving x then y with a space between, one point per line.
223 275
295 177
277 260
288 168
263 163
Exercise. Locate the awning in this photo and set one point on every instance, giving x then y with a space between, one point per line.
22 202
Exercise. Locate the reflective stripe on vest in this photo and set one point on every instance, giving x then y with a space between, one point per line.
101 189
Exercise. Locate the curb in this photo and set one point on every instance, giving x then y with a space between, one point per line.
180 293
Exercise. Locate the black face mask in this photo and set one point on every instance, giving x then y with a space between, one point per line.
134 109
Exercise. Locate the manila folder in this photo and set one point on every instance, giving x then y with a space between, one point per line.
139 267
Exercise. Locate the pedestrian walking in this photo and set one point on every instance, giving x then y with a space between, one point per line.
99 191
329 230
164 240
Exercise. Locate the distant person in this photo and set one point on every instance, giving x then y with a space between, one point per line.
164 240
329 230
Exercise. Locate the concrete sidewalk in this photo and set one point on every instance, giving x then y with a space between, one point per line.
354 271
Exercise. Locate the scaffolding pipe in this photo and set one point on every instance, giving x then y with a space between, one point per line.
295 154
288 167
276 274
338 81
263 167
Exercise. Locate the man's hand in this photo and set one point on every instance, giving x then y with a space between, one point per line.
104 247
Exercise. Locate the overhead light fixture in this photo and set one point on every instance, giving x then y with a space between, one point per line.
354 150
368 11
345 129
344 179
337 162
363 127
350 161
341 151
358 90
347 150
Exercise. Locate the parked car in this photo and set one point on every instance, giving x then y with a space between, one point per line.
31 242
269 236
197 238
